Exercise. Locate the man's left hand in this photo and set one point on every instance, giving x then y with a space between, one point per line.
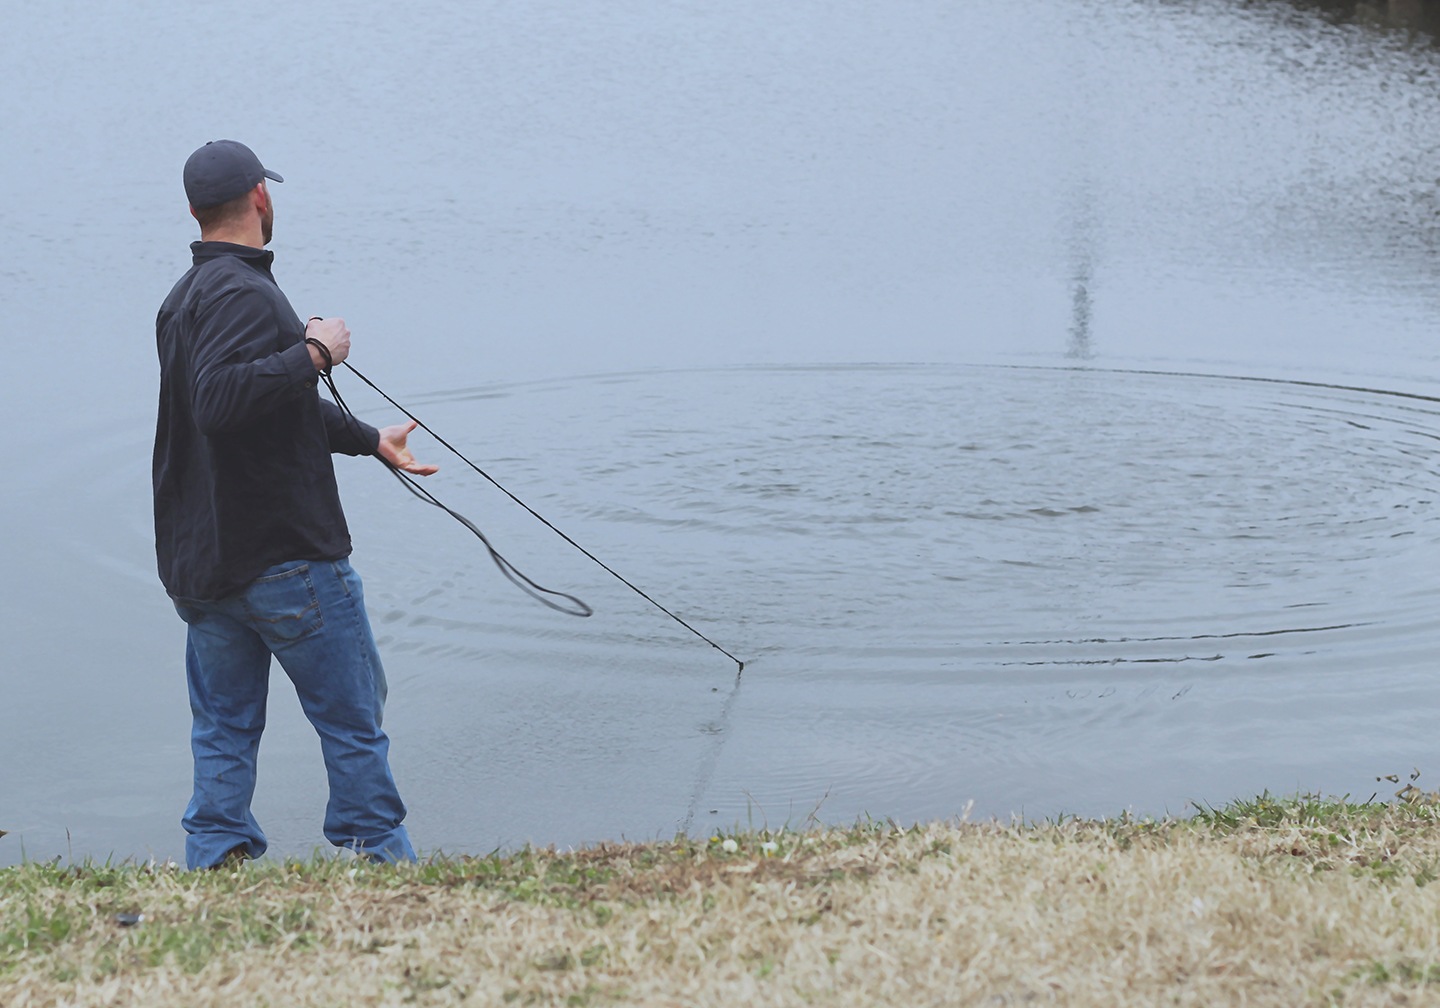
392 449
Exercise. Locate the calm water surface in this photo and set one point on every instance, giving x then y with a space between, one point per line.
821 324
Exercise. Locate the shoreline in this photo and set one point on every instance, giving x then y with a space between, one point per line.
1267 902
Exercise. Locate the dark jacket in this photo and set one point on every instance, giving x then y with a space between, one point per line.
242 470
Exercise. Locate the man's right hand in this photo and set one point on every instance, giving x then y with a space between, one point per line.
334 335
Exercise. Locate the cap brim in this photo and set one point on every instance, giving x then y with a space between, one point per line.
271 175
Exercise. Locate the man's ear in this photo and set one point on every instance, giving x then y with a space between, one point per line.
260 197
192 212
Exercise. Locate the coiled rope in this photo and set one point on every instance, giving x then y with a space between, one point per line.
541 594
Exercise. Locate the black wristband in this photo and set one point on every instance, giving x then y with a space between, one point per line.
324 352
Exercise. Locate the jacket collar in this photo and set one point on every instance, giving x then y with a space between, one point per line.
204 251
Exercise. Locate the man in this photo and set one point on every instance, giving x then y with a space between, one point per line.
251 541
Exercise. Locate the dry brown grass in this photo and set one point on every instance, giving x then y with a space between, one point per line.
1264 904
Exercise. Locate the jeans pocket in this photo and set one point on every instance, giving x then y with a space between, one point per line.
282 607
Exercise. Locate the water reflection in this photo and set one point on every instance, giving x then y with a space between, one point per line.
1082 277
1079 348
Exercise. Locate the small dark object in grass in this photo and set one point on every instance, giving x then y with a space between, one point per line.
129 919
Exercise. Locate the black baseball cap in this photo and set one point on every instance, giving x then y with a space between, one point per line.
221 171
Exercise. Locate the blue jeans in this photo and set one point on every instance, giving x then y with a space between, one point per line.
311 616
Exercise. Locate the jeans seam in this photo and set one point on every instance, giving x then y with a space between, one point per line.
334 566
358 614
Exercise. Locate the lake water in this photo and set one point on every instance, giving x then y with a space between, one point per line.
836 327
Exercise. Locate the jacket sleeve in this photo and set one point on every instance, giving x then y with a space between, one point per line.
348 435
237 375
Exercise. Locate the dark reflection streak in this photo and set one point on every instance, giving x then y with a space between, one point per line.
1079 348
1083 229
1221 636
711 759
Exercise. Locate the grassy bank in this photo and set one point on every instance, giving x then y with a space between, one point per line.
1271 902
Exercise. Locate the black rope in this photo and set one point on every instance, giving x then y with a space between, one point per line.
520 580
516 577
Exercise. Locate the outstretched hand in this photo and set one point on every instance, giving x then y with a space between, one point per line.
392 449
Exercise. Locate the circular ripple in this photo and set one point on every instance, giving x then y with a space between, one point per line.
910 520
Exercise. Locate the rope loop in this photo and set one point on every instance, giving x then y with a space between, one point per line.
539 593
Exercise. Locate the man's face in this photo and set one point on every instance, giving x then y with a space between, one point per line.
267 219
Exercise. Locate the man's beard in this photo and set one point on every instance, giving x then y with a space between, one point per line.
267 222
